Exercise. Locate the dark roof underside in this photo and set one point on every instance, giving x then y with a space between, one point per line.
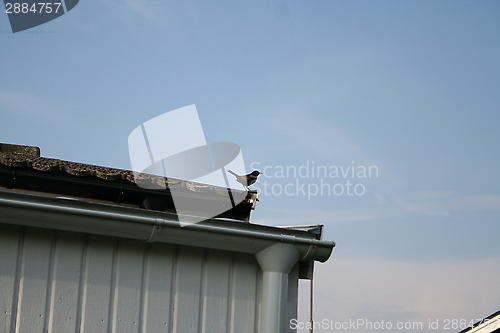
22 168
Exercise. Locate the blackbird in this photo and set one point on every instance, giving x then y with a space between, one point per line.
246 180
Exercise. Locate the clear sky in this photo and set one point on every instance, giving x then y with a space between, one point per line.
407 89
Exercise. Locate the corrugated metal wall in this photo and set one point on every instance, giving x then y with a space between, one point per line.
62 282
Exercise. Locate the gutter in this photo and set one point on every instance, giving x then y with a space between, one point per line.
150 226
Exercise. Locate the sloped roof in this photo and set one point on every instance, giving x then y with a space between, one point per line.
490 324
23 168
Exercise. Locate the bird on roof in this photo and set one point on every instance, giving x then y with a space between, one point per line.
246 180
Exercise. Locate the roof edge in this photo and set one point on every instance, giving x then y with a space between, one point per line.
151 226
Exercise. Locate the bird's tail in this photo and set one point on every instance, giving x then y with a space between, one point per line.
233 173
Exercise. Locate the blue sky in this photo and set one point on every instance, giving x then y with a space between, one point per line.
409 87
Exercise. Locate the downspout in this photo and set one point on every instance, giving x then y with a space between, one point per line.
276 262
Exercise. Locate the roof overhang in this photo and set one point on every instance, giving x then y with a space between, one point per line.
61 213
22 168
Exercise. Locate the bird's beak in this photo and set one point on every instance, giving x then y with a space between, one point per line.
260 173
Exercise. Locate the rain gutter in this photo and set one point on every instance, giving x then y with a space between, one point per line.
150 226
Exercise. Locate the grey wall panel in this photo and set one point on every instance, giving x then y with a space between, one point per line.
10 242
34 281
64 282
258 303
127 287
97 273
187 304
293 294
157 301
63 310
243 294
216 291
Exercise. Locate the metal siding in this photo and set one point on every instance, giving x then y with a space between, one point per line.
9 251
258 305
216 291
34 280
187 290
127 287
243 294
64 285
157 282
64 282
293 294
96 284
